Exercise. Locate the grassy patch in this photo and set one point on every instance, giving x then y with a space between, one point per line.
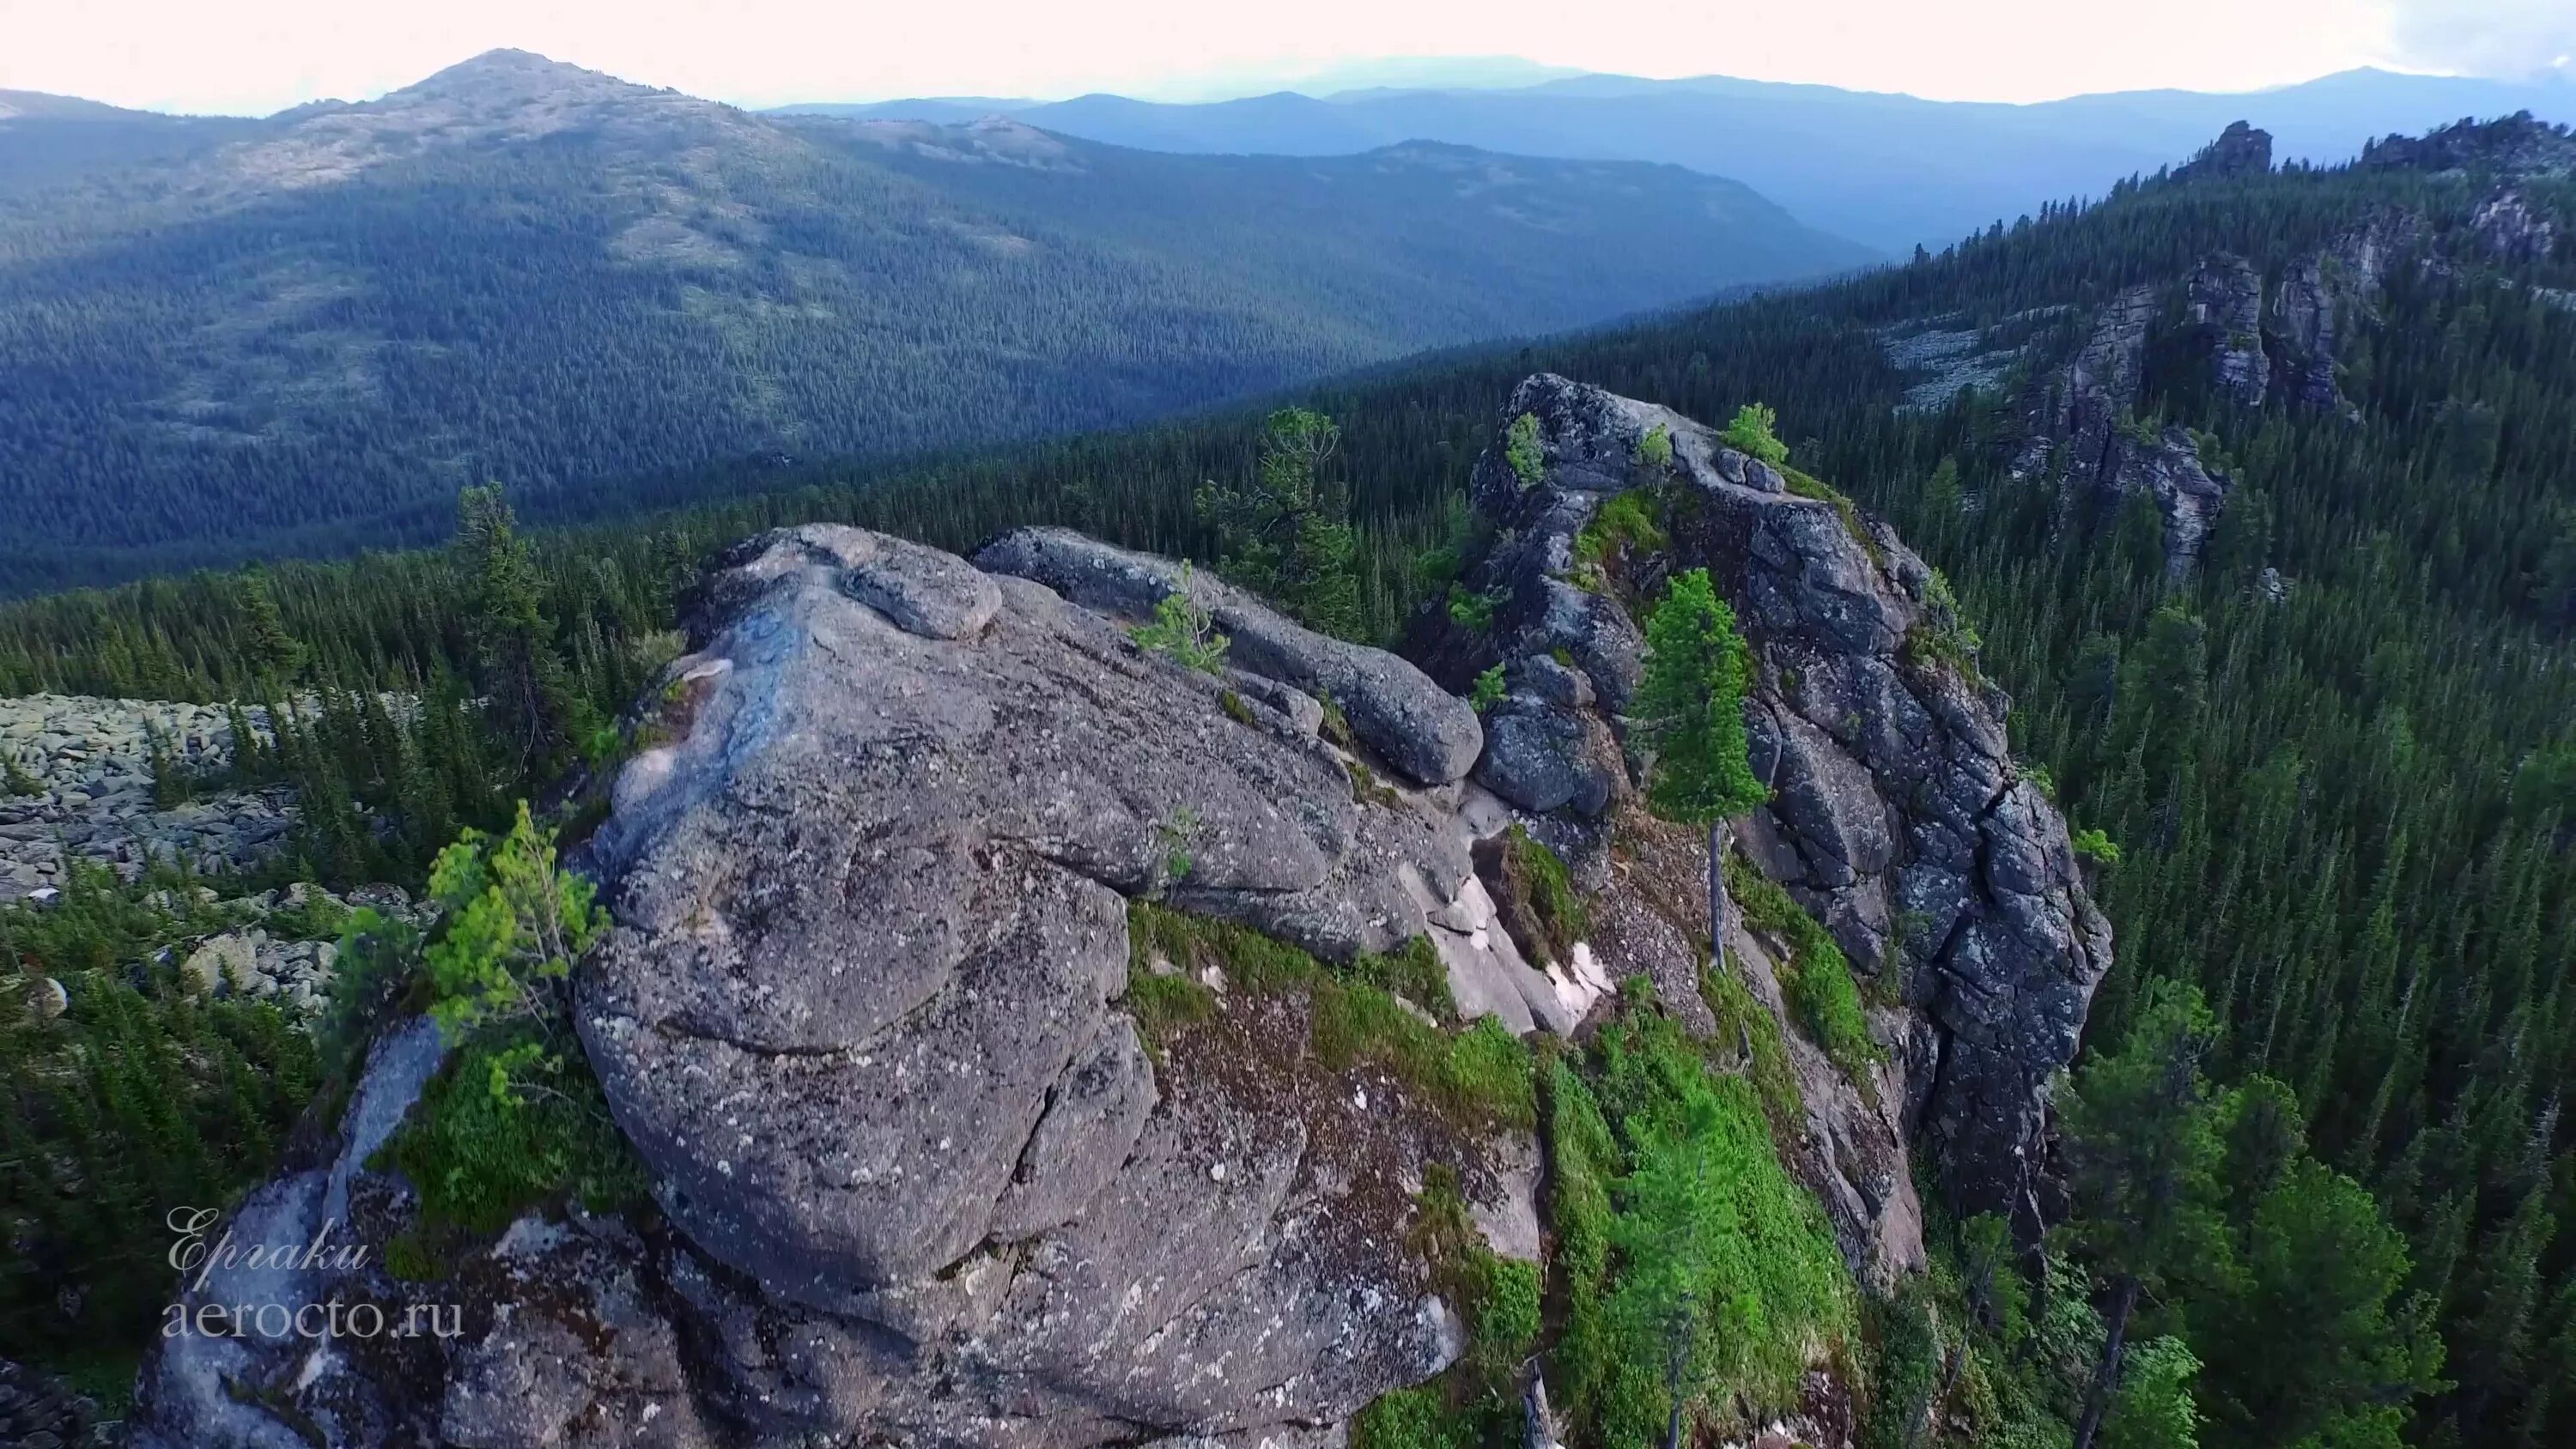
1524 452
1478 1078
1823 492
1415 1419
1815 977
1537 897
1583 1161
1413 971
1368 789
1162 1005
1742 1020
1337 725
1668 1191
1943 635
1629 523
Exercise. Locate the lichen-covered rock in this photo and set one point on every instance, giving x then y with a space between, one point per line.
861 1011
1896 816
864 1014
1423 731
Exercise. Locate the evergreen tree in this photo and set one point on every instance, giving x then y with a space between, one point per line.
2322 1262
530 693
1751 431
1286 534
1690 704
273 651
2144 1150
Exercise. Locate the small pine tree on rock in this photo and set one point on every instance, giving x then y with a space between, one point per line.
1691 705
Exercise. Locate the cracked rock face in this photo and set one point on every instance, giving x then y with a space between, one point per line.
1896 816
2323 299
924 1179
2227 297
2080 418
861 1013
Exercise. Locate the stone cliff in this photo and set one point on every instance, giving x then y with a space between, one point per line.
885 1010
1897 817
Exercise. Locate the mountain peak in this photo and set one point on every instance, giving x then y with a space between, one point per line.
516 77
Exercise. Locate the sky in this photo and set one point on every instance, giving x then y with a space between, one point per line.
257 56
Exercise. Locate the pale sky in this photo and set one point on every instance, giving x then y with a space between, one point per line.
256 56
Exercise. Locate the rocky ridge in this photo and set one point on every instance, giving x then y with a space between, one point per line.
2240 150
1898 818
929 1170
2516 145
2282 339
89 763
2080 420
2081 423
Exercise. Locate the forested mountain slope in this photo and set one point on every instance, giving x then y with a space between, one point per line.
46 140
2257 487
1888 170
525 272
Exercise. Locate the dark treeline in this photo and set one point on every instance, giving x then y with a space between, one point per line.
2341 806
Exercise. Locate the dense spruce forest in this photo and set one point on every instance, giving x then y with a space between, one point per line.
2336 764
523 272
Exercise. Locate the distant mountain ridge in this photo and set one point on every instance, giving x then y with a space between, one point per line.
1886 170
47 140
305 333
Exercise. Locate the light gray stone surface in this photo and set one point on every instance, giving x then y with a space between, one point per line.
91 759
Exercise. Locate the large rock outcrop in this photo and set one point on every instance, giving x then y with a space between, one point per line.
2240 150
2514 146
926 1171
2082 423
1897 817
864 1015
2324 299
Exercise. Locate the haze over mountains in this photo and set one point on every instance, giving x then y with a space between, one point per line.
1886 170
231 337
307 332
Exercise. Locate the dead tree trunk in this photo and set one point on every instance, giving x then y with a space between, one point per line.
1720 908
